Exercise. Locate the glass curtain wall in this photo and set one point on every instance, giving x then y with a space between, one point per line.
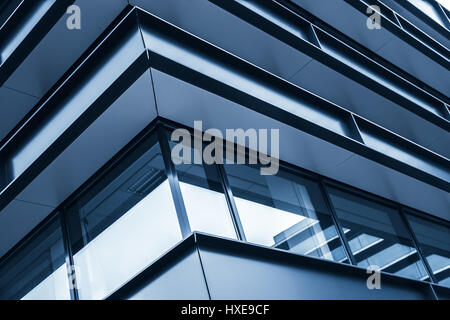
126 219
284 211
377 235
120 226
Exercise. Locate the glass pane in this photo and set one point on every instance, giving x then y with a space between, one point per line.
434 240
284 211
39 269
124 226
203 197
377 235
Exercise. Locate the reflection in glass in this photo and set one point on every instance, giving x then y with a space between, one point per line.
38 271
377 235
434 241
124 226
284 211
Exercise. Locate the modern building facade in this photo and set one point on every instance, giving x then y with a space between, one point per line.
96 202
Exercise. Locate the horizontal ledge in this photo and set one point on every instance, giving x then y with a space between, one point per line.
204 241
419 40
24 29
189 58
423 16
293 30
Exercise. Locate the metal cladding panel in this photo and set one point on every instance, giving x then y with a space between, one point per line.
182 280
17 220
230 33
61 47
13 106
176 275
236 270
331 85
234 276
435 31
343 16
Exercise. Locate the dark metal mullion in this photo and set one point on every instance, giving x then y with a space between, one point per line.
417 246
70 262
173 181
231 203
337 223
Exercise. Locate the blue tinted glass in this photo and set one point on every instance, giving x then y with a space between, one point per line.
434 240
377 236
121 226
284 211
38 270
203 195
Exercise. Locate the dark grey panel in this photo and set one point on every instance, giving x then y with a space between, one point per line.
61 47
237 270
120 123
415 63
347 20
182 280
335 87
14 105
17 220
250 272
418 22
352 22
230 33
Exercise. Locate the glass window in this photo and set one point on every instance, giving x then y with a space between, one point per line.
377 235
284 211
121 226
38 271
434 241
206 206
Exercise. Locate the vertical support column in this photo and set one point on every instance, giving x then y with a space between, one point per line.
337 223
417 246
173 181
231 204
70 264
